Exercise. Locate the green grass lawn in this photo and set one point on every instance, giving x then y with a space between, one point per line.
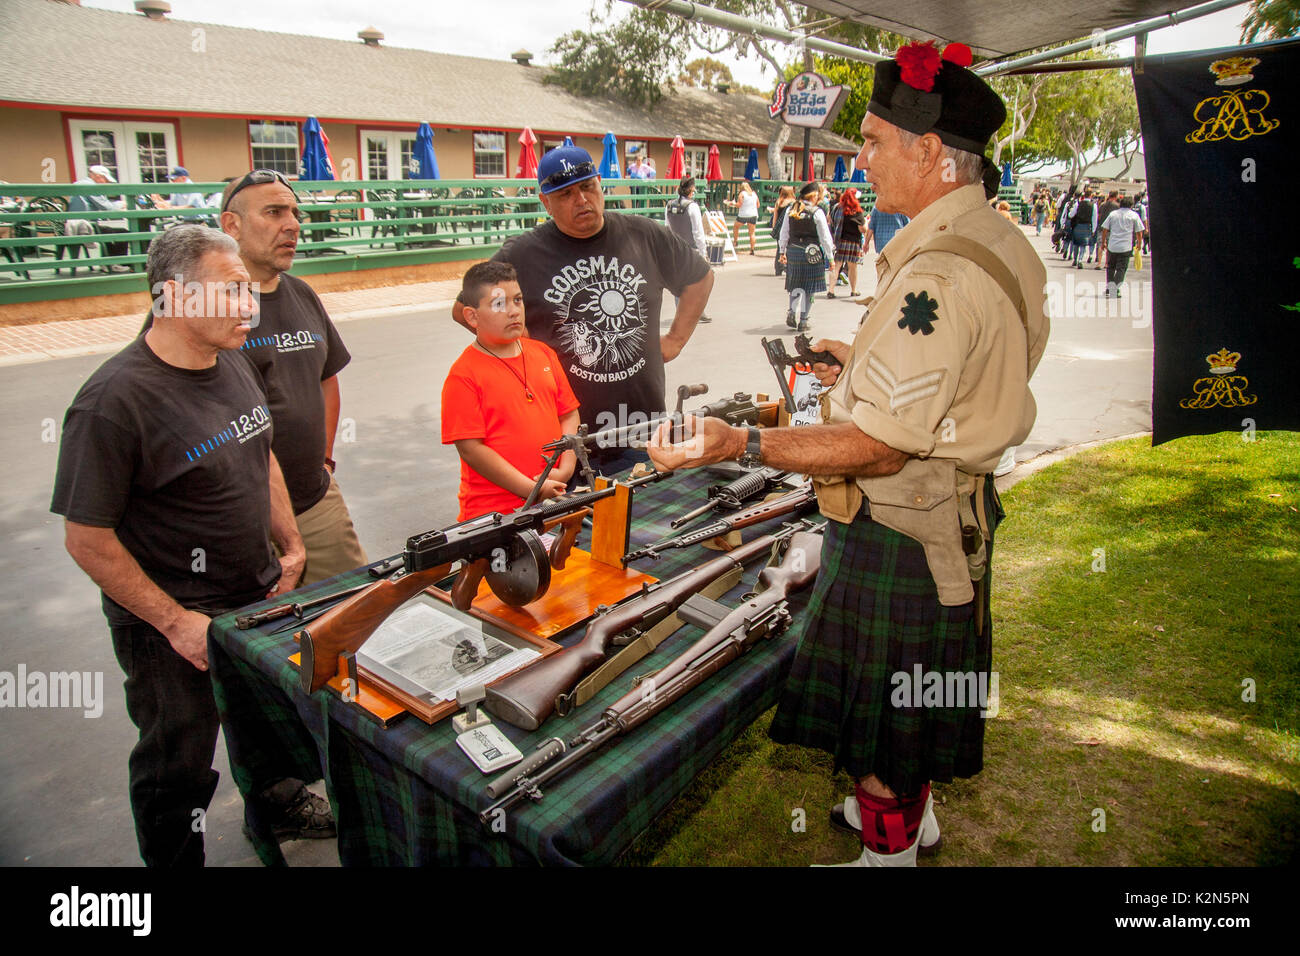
1148 712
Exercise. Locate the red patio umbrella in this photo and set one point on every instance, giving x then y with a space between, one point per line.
677 162
527 168
715 166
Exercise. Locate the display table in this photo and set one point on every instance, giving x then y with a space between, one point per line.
407 795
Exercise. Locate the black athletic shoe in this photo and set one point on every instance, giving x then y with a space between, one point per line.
304 815
789 319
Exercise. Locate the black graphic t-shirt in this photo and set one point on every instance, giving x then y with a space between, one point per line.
294 348
175 460
596 302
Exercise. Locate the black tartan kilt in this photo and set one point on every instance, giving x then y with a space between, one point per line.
800 274
874 613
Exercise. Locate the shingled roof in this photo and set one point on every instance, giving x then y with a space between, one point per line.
108 60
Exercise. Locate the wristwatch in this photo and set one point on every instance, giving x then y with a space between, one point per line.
753 456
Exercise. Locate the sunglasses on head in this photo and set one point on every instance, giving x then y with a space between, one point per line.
257 177
559 180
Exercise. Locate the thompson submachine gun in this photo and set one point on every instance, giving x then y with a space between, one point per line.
739 409
527 697
804 357
762 615
796 502
511 540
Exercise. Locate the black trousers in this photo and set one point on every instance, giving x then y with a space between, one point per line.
171 775
1116 269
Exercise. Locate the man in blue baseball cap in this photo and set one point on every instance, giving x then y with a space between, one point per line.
593 288
190 200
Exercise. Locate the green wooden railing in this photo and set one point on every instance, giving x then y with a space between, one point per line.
347 226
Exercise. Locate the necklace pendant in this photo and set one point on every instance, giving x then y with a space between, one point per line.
528 394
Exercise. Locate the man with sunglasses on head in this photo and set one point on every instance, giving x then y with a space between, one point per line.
298 353
593 285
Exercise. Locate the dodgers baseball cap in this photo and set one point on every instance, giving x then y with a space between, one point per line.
564 167
178 171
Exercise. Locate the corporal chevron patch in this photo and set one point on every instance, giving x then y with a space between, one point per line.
908 391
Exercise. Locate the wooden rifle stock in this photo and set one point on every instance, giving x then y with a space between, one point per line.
526 698
760 616
726 640
343 629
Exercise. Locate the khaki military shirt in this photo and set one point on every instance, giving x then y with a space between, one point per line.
941 361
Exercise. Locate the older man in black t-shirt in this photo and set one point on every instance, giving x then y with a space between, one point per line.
593 286
172 499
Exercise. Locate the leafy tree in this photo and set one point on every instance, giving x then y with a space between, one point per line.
705 73
1271 20
637 58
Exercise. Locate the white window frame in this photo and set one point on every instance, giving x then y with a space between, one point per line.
393 139
297 147
128 167
787 167
475 151
692 154
739 159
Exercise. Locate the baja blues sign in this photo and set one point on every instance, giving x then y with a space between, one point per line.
1221 130
808 100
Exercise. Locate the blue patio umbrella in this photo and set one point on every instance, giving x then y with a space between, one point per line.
568 141
609 159
315 160
424 164
858 176
751 167
1006 174
841 171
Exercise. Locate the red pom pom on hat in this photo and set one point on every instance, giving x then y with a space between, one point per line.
958 53
918 65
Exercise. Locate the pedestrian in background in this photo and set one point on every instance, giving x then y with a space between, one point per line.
784 197
850 221
807 249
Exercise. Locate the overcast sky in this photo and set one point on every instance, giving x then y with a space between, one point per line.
496 28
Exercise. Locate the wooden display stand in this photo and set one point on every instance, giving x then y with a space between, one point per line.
587 581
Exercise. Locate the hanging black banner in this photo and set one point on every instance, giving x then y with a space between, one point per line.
1220 130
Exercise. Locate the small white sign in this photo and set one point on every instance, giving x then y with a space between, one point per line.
489 748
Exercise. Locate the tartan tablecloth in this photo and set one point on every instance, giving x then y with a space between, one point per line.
407 795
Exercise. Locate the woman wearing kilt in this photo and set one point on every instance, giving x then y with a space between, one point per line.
806 249
848 240
892 675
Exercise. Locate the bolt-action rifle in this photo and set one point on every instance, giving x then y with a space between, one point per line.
527 697
509 544
762 615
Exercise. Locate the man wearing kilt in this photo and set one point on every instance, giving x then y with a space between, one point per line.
891 673
806 248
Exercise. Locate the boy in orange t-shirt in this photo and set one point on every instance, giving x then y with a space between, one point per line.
504 398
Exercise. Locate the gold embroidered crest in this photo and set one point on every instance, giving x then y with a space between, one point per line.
1221 388
1236 114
